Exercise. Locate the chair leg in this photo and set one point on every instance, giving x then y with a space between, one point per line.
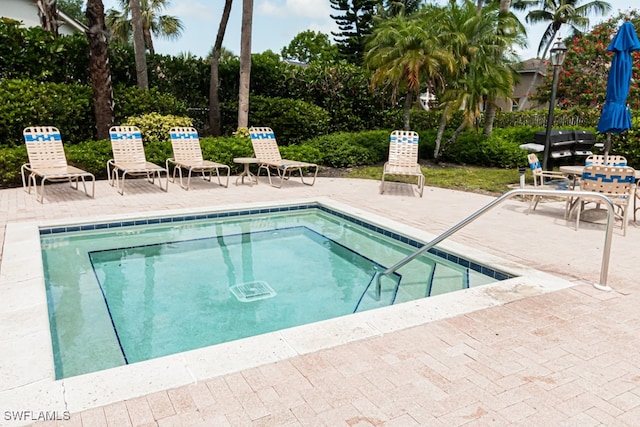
420 184
226 185
188 179
580 204
314 176
532 204
40 198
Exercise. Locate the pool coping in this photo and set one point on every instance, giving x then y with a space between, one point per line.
26 361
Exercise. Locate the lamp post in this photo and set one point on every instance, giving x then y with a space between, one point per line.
558 53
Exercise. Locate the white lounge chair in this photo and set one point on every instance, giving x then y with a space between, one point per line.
268 157
48 162
187 154
129 159
403 158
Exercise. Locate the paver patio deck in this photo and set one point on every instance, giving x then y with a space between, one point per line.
569 357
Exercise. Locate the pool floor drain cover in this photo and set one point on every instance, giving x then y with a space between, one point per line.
252 291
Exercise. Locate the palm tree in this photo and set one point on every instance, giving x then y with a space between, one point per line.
504 9
99 68
138 45
557 13
215 121
153 22
245 63
48 15
402 7
402 50
484 56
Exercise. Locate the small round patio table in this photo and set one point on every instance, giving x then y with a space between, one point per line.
246 161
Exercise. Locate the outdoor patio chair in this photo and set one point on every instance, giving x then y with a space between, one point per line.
403 158
187 154
129 159
617 183
546 180
48 162
598 159
268 157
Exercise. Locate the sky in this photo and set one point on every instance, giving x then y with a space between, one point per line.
277 22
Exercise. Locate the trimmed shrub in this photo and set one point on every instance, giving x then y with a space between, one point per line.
225 149
30 103
292 120
11 159
352 149
91 156
155 127
131 101
302 153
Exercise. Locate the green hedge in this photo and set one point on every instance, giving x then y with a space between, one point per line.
292 120
69 108
352 149
30 103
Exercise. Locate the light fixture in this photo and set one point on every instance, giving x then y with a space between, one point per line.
557 53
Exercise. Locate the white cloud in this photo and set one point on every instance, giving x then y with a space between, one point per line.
186 10
295 8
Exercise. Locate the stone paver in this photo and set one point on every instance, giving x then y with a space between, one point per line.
568 357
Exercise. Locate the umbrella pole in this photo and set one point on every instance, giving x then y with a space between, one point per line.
607 147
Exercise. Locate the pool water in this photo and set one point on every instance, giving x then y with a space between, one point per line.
121 293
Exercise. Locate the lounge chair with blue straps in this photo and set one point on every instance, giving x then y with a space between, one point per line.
265 149
187 155
129 159
48 162
617 183
403 158
598 159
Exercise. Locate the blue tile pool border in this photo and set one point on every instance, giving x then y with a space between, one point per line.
483 269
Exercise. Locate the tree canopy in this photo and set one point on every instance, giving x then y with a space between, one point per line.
355 21
309 46
583 78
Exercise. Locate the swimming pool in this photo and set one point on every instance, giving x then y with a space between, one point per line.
146 288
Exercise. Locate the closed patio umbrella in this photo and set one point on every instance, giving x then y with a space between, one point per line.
616 116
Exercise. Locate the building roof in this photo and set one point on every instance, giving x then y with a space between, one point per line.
533 65
26 11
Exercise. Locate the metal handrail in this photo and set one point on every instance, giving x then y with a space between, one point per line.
604 270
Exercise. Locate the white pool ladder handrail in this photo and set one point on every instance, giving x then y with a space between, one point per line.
604 270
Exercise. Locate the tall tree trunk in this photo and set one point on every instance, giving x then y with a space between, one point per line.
99 68
245 63
148 41
407 110
437 153
491 105
48 13
489 115
138 45
454 137
541 68
215 120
